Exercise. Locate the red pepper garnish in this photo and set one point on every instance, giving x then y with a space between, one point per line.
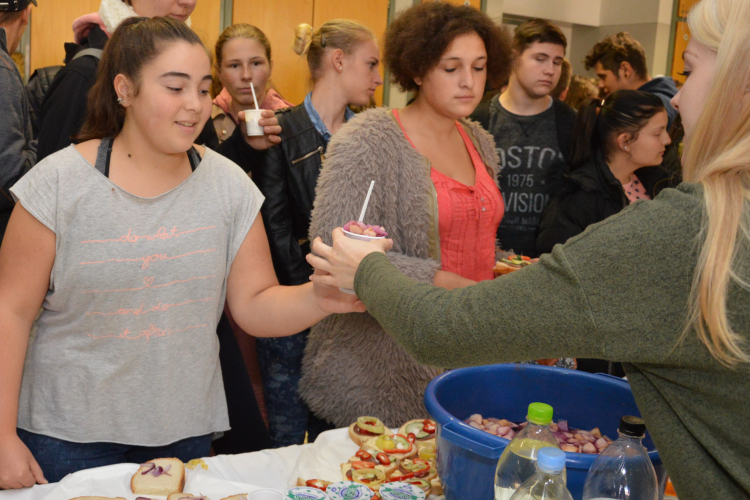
363 455
526 258
362 465
396 450
383 459
428 427
397 476
411 438
316 483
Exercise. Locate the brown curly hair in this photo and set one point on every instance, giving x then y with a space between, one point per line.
616 49
417 39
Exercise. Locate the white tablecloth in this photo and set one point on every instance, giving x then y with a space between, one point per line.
226 475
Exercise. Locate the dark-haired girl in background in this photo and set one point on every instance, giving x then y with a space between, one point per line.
615 140
619 143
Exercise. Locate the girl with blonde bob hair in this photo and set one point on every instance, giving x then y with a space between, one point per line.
663 286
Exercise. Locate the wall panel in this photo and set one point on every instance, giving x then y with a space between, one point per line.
373 14
205 21
51 27
278 20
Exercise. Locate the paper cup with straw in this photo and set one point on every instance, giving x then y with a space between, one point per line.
252 116
361 227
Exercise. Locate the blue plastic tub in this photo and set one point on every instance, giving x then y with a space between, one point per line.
467 457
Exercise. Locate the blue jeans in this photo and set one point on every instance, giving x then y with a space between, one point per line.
58 458
280 362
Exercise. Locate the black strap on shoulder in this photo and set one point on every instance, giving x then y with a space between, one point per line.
194 157
104 155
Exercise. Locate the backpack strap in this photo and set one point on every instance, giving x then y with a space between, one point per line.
565 120
482 114
97 53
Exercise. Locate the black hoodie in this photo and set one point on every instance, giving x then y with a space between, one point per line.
587 195
664 88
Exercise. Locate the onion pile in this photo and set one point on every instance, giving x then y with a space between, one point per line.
570 439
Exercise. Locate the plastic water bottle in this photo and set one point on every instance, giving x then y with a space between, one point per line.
547 483
517 463
623 470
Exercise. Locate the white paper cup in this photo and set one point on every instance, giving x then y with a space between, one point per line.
361 237
265 494
251 120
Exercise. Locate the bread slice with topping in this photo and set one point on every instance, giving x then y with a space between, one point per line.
97 498
188 496
161 476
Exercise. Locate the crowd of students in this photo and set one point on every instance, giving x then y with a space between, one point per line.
135 198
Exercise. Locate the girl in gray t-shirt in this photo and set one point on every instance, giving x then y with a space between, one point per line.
130 246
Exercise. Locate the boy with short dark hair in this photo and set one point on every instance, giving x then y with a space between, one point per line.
620 64
533 132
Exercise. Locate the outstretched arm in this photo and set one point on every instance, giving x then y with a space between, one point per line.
263 308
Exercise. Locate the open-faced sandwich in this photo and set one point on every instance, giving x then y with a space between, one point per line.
161 476
419 431
512 263
367 427
313 483
395 446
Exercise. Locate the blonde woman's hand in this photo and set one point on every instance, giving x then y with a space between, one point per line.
271 127
18 468
339 263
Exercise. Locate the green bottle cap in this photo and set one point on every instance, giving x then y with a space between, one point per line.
539 413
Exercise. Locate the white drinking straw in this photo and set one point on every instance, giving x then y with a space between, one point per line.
252 87
367 200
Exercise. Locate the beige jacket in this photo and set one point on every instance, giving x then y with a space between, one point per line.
351 366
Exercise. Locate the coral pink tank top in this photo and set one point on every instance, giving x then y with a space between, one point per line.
468 217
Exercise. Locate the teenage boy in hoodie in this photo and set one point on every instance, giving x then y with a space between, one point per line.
17 147
533 132
620 64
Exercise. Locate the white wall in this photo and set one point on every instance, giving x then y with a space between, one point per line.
586 12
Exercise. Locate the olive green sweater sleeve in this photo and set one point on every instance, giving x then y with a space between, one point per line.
539 312
618 291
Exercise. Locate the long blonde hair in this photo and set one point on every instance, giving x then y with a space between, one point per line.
718 157
336 34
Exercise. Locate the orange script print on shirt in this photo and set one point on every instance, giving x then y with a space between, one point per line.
153 331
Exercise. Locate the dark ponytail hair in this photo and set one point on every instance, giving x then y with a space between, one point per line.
135 42
601 121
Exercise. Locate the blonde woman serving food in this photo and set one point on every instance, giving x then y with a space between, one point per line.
435 194
129 242
662 286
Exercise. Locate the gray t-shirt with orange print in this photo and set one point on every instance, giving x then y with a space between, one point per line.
125 348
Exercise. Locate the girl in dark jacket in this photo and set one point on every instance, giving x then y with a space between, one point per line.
343 58
619 143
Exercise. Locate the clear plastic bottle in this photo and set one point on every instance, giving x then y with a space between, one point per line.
517 463
623 470
548 482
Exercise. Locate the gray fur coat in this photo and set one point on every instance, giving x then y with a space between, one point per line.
351 367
